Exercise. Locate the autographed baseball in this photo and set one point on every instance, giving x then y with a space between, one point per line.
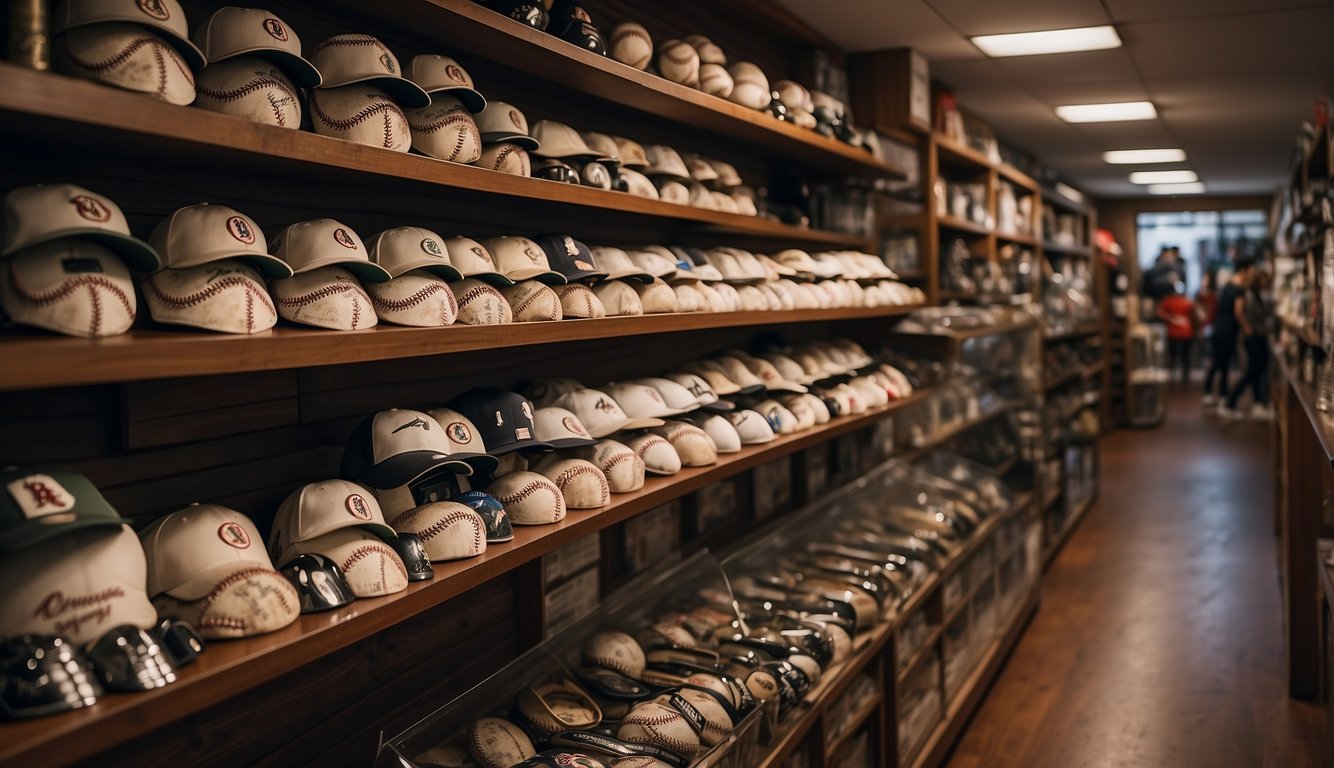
580 482
640 761
623 469
222 296
360 113
714 79
579 301
445 130
618 298
750 87
248 602
127 56
709 53
480 304
656 723
656 297
529 498
659 456
372 569
416 298
497 743
616 651
449 530
532 301
717 723
678 62
631 44
328 297
40 287
251 88
506 157
692 444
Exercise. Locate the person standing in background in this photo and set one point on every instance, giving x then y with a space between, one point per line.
1176 310
1227 327
1253 316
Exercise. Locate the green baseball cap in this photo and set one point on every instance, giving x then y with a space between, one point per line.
38 505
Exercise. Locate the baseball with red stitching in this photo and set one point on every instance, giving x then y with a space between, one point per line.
328 297
497 743
631 45
623 469
371 567
750 87
506 157
715 684
616 651
678 62
248 602
709 52
715 80
445 130
225 296
127 56
641 761
529 498
79 289
579 301
532 302
251 88
692 444
656 723
581 483
664 633
448 530
716 724
618 298
360 113
480 304
658 455
417 298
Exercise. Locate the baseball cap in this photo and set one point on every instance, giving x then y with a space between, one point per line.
106 566
234 31
67 267
465 442
653 263
561 429
700 169
559 141
310 245
40 213
600 414
665 161
677 397
751 427
322 507
724 436
37 505
773 379
165 16
543 391
520 258
403 249
698 263
503 418
441 74
735 371
202 234
788 368
640 401
714 377
502 121
397 446
192 550
701 390
727 177
472 259
618 265
570 257
631 153
360 58
638 184
604 146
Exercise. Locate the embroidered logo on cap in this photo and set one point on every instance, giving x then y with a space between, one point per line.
517 119
357 506
155 8
459 432
241 230
522 433
454 73
527 409
416 422
233 535
90 208
275 29
532 253
388 62
606 406
432 248
570 248
500 420
40 496
573 425
344 239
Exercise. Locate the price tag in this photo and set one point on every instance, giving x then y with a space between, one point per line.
652 536
715 505
771 487
571 601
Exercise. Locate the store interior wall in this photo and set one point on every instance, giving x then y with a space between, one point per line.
1119 215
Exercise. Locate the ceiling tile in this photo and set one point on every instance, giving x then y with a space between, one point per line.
856 25
980 17
1070 68
1261 43
1145 10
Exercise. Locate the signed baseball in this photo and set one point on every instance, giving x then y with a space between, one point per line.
750 87
328 297
580 482
80 289
416 298
579 301
623 469
529 498
127 56
372 569
251 88
360 113
654 722
248 602
714 79
659 456
631 45
449 530
480 304
225 296
445 130
693 445
532 301
678 62
616 651
506 157
709 52
497 743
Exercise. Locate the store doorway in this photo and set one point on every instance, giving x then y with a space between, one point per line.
1208 240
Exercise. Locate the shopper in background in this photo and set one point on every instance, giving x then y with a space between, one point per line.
1227 328
1178 312
1253 315
1160 280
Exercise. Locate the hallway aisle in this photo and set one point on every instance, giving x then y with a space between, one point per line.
1158 641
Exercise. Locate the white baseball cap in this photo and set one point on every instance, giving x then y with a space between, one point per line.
192 550
543 392
360 58
604 145
751 427
465 440
727 177
202 234
310 245
165 16
638 184
397 446
665 161
600 414
403 249
768 373
783 421
631 153
641 401
521 258
442 74
318 508
677 397
653 263
788 368
700 169
618 298
40 213
737 371
66 267
472 259
502 121
721 431
233 31
560 141
701 390
106 569
560 428
618 265
715 378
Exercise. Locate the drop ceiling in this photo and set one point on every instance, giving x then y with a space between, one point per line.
1232 79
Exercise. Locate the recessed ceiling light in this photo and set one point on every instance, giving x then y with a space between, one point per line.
1107 113
1193 188
1049 41
1163 177
1142 156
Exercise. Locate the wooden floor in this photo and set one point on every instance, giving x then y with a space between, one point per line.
1158 641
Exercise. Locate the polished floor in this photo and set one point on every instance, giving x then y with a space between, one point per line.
1158 641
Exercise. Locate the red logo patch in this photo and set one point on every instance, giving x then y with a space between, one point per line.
358 507
275 29
233 535
453 72
155 8
344 239
573 425
459 432
517 119
240 229
91 208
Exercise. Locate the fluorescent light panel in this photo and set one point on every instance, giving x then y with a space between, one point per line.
1163 177
1192 188
1143 156
1107 113
1049 41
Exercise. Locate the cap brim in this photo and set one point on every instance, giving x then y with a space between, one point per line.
519 445
302 72
448 272
643 423
403 91
365 270
491 278
580 275
411 466
200 584
136 254
572 442
787 386
34 532
522 139
637 276
685 275
719 406
544 276
481 463
474 101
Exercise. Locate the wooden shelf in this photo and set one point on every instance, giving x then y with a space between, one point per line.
230 668
1018 239
1078 333
51 361
921 654
1018 178
551 63
962 225
42 107
1322 424
1064 203
1083 374
954 154
1051 246
1027 324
